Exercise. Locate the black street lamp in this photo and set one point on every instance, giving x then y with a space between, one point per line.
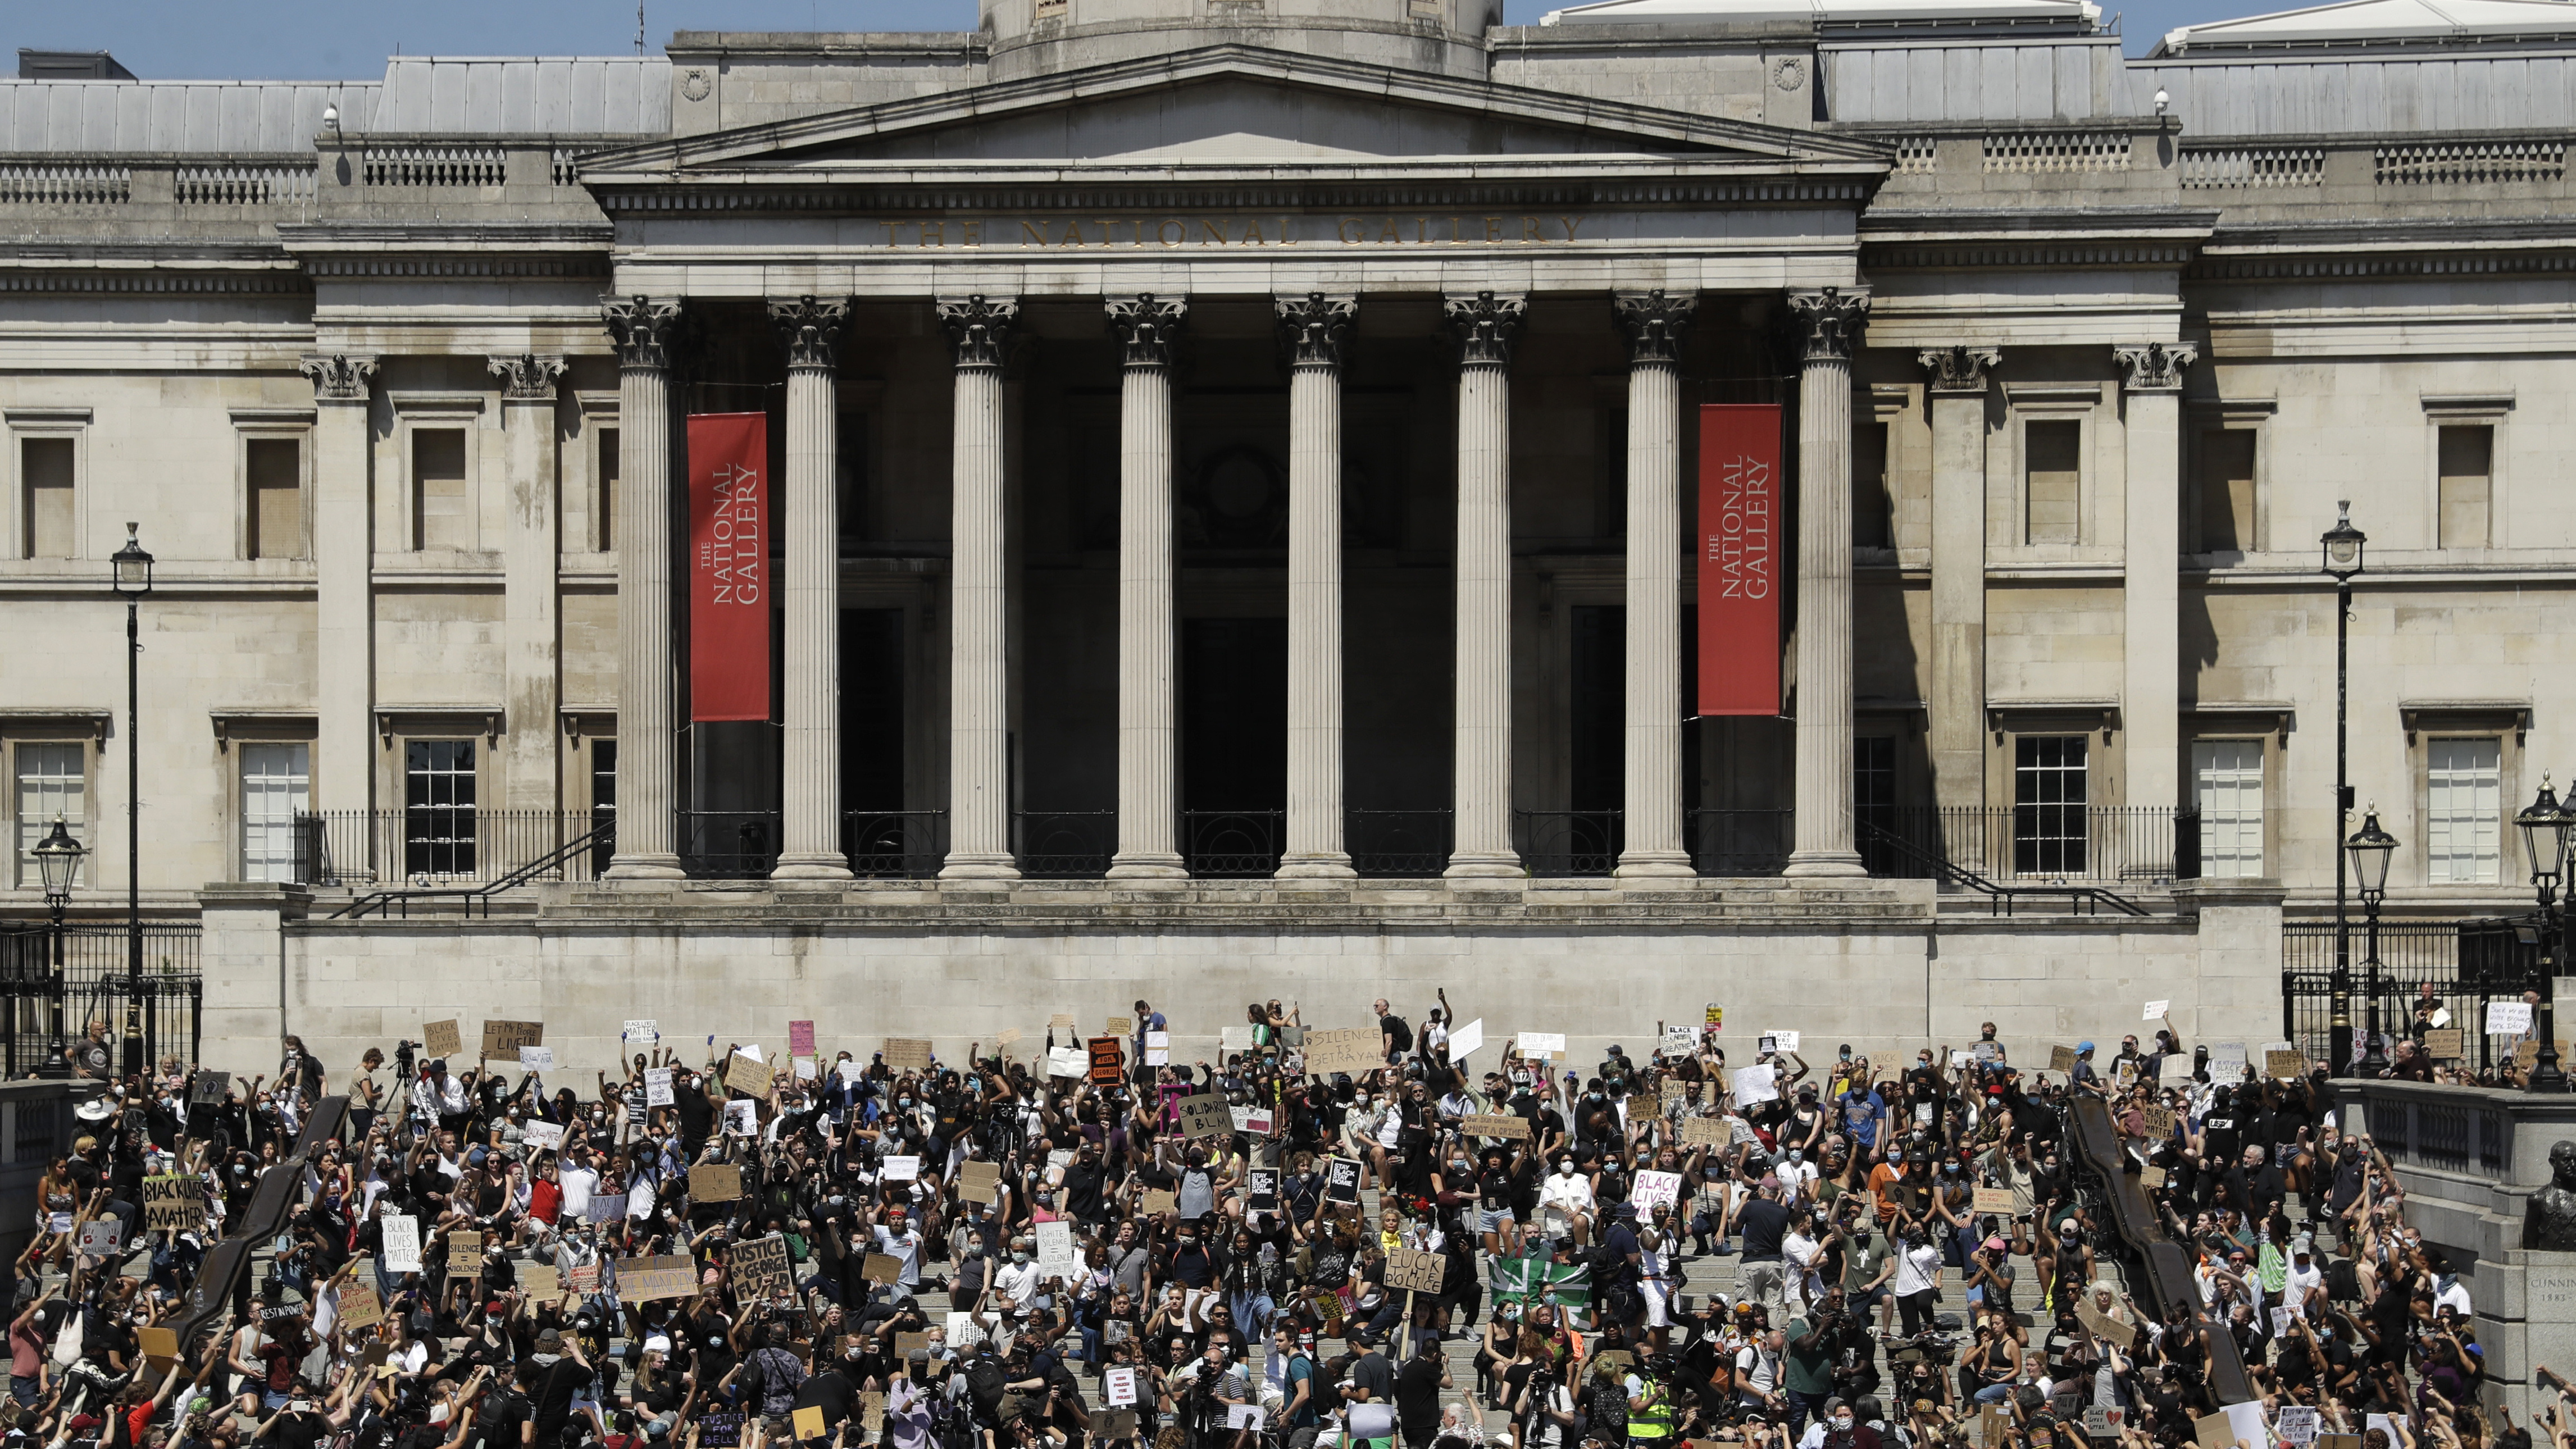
2545 826
58 861
2343 550
2370 847
133 583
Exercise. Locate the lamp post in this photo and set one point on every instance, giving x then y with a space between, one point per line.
2545 826
133 583
58 860
2343 550
2370 848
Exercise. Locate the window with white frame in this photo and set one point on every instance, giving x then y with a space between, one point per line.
2227 785
2464 810
53 782
276 787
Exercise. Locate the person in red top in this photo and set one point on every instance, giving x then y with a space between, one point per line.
545 1194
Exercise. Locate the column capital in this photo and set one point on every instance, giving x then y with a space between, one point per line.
978 327
1146 326
1958 368
338 376
1654 323
1314 328
1486 324
645 329
810 330
2154 366
1834 317
527 377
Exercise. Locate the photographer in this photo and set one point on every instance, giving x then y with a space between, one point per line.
1826 1348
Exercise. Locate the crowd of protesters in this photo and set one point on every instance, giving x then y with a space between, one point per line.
1019 1250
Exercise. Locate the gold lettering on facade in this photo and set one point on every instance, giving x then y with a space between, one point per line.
1218 231
1569 227
1493 228
1171 233
1033 233
1530 231
933 234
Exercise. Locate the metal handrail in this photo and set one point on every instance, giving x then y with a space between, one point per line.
2002 896
596 836
261 1220
2168 1269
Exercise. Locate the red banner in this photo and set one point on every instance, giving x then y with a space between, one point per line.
1739 559
728 566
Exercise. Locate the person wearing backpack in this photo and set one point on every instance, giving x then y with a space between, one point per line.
1394 1033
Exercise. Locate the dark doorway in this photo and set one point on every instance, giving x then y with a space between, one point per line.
1234 744
1585 839
871 709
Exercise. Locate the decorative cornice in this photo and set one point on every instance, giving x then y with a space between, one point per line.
1315 328
978 327
129 283
1834 318
1958 368
646 331
2155 366
1969 256
2299 266
1486 323
810 330
338 377
527 377
867 195
1654 323
468 267
1146 326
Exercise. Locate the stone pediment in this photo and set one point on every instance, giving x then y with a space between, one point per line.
1232 106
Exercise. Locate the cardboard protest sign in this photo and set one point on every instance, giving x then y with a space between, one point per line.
1705 1132
641 1280
1156 1202
2527 1052
800 1038
2061 1059
2159 1122
542 1282
1992 1200
2176 1071
2104 1421
1229 1039
657 1087
1498 1124
1120 1026
1106 1060
881 1268
175 1203
1055 1252
161 1345
1415 1270
2445 1044
2285 1064
583 1280
464 1246
2103 1325
1542 1043
359 1307
760 1268
503 1039
605 1207
715 1182
1010 1037
872 1410
1204 1114
402 1243
907 1053
807 1422
209 1086
1342 1180
1059 1021
978 1181
441 1039
2151 1176
1351 1050
747 1075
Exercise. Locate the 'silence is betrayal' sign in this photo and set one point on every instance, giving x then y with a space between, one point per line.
1132 233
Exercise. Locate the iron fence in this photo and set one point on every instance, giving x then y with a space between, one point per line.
728 844
431 845
1398 844
2425 968
1561 843
2112 844
1064 844
895 844
1740 842
54 984
1233 844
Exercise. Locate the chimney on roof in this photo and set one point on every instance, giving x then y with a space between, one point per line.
70 65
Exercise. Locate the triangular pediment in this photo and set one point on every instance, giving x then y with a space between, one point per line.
1233 106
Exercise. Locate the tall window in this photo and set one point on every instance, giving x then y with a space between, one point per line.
2052 479
276 786
2227 490
52 781
45 497
1873 498
276 476
606 503
2464 810
2227 784
2048 804
1874 796
2467 484
438 807
441 515
603 799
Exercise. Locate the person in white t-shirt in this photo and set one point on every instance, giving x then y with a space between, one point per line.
1757 1368
1565 1202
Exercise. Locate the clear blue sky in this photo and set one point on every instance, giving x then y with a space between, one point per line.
349 39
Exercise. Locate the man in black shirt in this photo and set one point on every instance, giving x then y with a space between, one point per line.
552 1377
1758 1273
1417 1392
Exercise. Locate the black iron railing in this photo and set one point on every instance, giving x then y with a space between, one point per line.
1560 843
2134 845
44 1009
1398 844
432 846
2431 974
1739 842
1064 844
1233 844
728 844
895 844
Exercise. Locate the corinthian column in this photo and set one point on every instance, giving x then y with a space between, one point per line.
1485 324
1148 735
979 807
810 804
1833 320
1314 328
647 332
1652 806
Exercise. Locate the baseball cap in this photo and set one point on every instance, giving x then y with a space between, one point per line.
2082 1047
